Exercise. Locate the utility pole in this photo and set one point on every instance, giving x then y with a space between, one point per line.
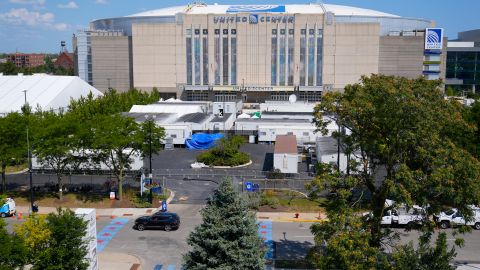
29 154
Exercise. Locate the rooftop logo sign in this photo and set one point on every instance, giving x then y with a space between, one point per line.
433 38
255 8
254 19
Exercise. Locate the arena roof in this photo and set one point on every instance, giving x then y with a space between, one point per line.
338 10
46 91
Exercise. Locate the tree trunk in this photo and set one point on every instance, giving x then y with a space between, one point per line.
60 186
378 209
4 180
120 185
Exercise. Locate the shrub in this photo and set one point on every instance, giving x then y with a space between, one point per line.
226 153
270 201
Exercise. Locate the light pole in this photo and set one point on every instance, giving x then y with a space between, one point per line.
28 154
151 121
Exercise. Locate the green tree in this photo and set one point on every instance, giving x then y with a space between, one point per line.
12 143
12 250
402 132
35 234
117 139
425 257
55 142
227 238
8 68
67 245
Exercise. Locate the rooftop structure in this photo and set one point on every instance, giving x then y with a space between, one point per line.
286 144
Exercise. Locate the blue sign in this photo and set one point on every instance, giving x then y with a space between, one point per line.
253 18
433 38
255 8
248 186
164 206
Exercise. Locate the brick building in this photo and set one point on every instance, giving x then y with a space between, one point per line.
24 60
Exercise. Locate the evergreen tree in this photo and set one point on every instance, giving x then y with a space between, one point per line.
227 238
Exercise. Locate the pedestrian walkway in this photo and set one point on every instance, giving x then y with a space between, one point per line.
108 232
265 231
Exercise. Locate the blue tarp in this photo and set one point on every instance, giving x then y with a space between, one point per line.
202 140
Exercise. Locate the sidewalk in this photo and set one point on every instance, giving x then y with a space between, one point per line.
118 261
290 217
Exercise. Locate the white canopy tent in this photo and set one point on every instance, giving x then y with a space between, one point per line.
46 91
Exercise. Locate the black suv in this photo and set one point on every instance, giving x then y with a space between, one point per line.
159 220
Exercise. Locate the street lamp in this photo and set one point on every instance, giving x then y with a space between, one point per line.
151 121
29 154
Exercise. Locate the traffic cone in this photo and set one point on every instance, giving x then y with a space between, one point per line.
19 215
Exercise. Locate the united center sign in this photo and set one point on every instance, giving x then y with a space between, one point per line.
254 19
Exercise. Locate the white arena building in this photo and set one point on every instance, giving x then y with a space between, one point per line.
255 53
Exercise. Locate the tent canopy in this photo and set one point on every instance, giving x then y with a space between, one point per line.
46 91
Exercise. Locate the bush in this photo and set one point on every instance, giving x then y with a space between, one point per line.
225 154
270 201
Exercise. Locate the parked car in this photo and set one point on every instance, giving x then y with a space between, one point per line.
160 220
8 208
454 217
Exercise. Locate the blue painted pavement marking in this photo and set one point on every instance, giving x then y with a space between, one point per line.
265 232
108 232
159 267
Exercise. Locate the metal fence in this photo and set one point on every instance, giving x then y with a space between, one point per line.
221 173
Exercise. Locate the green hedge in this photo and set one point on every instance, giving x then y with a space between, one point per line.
213 158
226 153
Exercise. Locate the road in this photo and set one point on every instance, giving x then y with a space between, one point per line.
292 240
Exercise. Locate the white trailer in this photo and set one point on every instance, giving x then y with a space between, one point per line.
285 156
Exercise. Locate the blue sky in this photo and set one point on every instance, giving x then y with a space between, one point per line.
40 25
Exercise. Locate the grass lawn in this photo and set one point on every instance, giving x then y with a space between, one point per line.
88 200
69 200
289 201
16 168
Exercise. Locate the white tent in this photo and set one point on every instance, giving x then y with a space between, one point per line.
46 91
243 116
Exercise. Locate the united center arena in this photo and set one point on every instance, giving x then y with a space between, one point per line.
255 53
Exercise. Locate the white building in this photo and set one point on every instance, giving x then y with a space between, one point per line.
46 91
285 156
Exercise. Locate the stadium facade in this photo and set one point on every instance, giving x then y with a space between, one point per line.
255 52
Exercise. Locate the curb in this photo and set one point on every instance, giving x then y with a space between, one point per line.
233 167
296 220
